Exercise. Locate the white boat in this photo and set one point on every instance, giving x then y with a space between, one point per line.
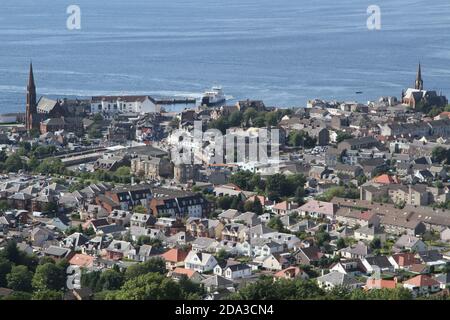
214 97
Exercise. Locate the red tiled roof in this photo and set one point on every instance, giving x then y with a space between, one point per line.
386 179
405 259
188 272
82 260
174 255
421 281
380 284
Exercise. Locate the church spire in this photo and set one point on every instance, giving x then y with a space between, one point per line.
31 108
419 80
31 78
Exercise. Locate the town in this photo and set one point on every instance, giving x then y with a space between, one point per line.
353 201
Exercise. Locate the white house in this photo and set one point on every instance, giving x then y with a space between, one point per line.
234 270
257 247
200 262
111 105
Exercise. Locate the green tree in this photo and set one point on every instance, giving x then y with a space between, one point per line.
154 265
18 295
440 154
19 279
375 244
110 280
47 295
150 286
49 277
140 209
51 166
340 243
14 163
276 224
342 135
5 268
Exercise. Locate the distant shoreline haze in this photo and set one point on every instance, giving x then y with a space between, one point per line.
282 52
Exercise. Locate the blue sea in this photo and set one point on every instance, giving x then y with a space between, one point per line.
281 51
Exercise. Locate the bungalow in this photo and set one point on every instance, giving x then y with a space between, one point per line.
338 279
431 258
377 263
380 284
284 208
411 243
216 282
360 251
318 209
422 285
179 273
443 279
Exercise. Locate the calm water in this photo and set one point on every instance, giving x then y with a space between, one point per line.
282 51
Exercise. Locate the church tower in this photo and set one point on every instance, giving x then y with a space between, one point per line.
31 109
419 81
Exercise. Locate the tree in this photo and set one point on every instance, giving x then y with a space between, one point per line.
150 286
14 163
123 171
19 279
50 207
140 209
154 265
375 244
50 166
18 295
276 186
276 224
342 135
222 256
224 202
110 280
340 243
322 237
440 154
271 119
49 277
257 207
5 268
47 295
11 252
254 206
235 119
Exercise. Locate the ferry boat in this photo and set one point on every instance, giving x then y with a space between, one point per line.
214 97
